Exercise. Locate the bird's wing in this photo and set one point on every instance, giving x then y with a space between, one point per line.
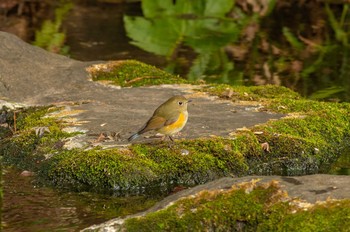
171 121
153 123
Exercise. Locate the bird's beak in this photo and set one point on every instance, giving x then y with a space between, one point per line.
189 100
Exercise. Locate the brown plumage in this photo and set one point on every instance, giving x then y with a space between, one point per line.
168 119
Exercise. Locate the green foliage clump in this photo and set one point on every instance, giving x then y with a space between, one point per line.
50 36
133 73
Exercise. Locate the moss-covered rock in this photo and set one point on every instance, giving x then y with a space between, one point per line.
307 141
34 136
132 73
251 93
342 165
249 206
147 166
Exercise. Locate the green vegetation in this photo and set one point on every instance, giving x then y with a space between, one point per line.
312 128
255 42
132 73
50 37
204 26
148 166
326 67
27 147
252 93
342 165
248 207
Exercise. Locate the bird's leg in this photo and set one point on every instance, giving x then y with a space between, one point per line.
172 143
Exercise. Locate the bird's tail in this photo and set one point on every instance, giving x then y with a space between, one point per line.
134 136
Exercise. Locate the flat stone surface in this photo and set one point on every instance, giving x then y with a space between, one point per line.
33 76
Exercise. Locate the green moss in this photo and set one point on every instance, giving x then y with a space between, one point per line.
246 208
35 117
251 93
133 73
275 98
146 166
27 147
99 169
303 145
311 137
213 211
342 165
329 216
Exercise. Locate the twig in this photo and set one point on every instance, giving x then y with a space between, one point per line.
140 78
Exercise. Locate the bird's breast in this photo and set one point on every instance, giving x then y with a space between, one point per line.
176 126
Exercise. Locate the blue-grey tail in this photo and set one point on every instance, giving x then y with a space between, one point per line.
134 136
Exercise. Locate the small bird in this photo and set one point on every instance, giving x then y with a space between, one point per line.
168 119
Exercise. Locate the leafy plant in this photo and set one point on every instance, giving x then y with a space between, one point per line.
202 25
333 54
309 53
50 36
292 39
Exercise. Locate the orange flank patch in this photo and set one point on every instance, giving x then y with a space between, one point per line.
175 127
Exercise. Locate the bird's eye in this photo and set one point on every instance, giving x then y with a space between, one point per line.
180 103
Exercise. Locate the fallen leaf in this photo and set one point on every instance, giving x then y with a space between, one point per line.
265 146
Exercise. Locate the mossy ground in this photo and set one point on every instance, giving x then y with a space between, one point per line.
132 73
248 207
